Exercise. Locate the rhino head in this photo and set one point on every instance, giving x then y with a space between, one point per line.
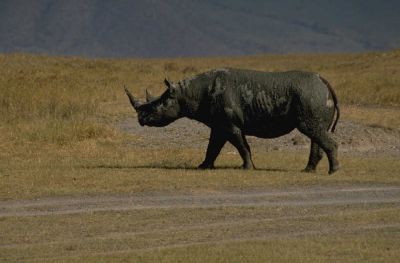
157 111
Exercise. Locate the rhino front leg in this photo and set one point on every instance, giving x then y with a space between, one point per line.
215 144
238 140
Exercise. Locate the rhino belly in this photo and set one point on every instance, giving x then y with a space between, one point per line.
270 128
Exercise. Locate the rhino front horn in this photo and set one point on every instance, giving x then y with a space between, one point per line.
167 83
135 103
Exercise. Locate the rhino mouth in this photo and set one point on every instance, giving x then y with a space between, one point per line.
154 122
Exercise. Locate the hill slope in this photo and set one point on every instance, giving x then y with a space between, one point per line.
156 28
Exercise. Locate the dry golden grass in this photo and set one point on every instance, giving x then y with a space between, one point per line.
387 117
58 138
53 87
57 115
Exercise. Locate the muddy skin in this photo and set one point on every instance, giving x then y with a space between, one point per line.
235 103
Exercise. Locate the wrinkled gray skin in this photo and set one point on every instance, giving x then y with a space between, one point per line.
235 103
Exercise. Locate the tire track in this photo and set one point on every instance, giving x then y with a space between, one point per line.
267 198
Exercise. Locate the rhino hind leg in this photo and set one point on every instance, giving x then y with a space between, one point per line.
330 147
324 140
215 144
316 155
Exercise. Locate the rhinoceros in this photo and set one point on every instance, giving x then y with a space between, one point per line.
238 102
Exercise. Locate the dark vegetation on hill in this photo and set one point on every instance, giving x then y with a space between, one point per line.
158 28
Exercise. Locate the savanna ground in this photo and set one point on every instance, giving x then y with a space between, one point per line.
81 181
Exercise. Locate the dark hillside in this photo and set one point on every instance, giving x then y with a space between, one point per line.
167 28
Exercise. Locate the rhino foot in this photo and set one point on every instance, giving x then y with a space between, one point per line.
206 166
247 167
309 170
333 170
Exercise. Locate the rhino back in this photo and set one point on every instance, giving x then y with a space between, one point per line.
264 104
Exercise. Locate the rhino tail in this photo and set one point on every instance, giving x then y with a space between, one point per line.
335 101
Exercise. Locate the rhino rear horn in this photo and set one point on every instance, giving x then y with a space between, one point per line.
135 103
149 97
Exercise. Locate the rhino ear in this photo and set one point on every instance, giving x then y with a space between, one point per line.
171 88
167 83
172 91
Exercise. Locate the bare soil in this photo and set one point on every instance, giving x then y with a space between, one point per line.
353 138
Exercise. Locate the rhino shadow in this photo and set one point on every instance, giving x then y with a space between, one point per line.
176 167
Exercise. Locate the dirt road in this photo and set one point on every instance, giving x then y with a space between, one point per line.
74 228
301 197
